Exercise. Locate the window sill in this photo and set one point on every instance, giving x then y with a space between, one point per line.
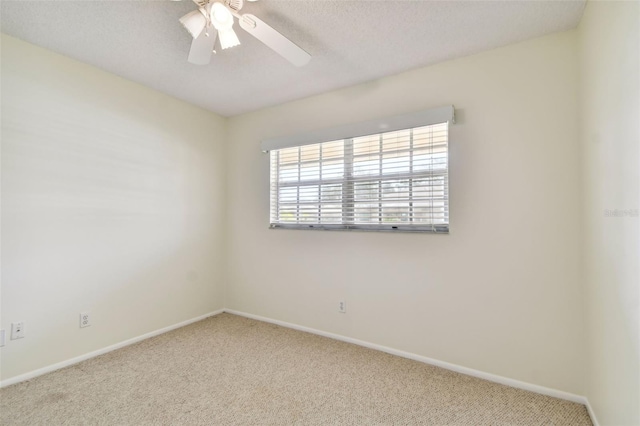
438 229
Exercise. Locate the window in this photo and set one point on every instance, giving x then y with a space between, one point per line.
391 181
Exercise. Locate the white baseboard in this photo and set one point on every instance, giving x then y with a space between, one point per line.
59 365
592 413
453 367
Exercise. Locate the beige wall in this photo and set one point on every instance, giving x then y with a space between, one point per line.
501 293
112 202
610 139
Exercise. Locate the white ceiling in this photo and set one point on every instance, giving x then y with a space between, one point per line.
350 42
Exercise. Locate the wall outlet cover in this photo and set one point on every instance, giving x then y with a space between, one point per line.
85 319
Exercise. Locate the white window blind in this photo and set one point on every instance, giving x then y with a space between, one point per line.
391 181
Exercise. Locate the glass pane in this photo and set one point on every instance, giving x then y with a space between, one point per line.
288 214
366 191
364 166
333 150
366 145
394 141
310 171
429 188
430 135
439 161
289 155
308 194
430 212
331 213
331 193
397 190
289 173
332 169
310 153
366 213
396 163
288 195
395 212
426 161
309 213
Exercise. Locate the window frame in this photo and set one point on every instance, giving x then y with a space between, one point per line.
441 116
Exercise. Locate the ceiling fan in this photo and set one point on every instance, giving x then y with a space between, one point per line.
214 19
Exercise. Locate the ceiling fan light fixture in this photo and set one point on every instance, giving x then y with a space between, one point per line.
221 16
194 22
228 38
222 19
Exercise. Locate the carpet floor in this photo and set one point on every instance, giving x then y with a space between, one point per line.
230 370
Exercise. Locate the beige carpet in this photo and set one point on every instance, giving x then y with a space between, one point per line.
230 370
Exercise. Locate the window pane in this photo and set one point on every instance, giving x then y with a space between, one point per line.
372 181
425 161
331 193
365 191
331 214
395 141
436 135
310 153
429 188
332 150
396 163
288 214
395 212
288 195
366 166
430 213
289 155
309 194
332 169
310 171
398 190
309 213
366 145
289 173
366 213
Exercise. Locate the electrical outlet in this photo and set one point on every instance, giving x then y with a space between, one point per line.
342 307
17 330
1 338
85 319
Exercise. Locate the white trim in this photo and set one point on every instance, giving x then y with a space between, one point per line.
453 367
59 365
388 124
592 413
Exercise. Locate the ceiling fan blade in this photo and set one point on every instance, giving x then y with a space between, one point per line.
202 47
272 38
194 22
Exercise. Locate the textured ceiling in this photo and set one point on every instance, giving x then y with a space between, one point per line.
350 42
